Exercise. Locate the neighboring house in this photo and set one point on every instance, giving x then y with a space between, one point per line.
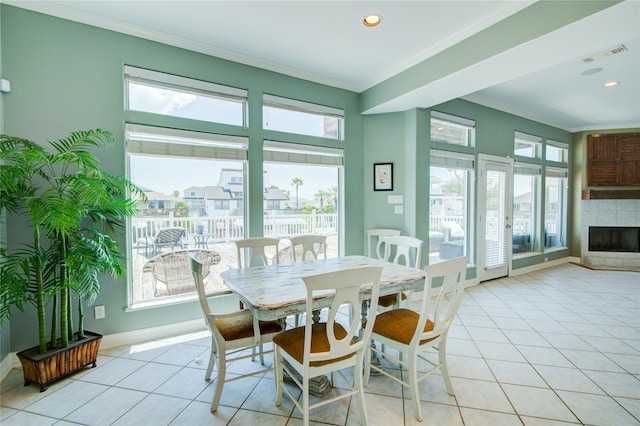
273 199
227 198
158 204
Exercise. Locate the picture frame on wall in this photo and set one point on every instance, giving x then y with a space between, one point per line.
383 177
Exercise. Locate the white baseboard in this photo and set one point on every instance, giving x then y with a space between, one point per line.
8 363
133 337
539 266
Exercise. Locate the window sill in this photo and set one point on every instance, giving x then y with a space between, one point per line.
169 301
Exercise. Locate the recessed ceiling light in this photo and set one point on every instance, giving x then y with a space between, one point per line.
611 84
591 71
372 20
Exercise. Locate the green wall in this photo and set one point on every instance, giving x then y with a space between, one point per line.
67 76
383 133
5 334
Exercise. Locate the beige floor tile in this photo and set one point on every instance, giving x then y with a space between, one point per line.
473 417
567 328
538 402
597 409
107 407
154 410
199 414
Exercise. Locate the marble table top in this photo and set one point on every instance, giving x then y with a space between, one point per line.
276 291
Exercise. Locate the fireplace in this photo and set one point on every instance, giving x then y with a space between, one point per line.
610 232
614 239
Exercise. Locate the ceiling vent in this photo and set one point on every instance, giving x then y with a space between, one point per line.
616 50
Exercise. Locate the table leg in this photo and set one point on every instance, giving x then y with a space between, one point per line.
374 357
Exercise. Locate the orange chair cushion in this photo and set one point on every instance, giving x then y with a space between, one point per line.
400 325
292 342
242 326
390 300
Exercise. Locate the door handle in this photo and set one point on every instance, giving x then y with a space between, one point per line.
508 226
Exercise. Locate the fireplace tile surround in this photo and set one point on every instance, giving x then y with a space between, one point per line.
609 213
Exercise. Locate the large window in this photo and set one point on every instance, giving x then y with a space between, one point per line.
555 207
291 116
187 178
305 181
526 208
451 177
166 94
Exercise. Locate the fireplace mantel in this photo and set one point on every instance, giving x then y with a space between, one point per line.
612 194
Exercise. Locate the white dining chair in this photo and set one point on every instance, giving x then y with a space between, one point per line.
412 333
328 347
407 251
231 334
253 252
307 247
377 237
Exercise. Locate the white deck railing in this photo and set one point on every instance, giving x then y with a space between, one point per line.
231 228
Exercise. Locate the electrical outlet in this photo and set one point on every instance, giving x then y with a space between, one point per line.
398 209
99 312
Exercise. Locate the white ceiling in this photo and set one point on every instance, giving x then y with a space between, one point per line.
325 41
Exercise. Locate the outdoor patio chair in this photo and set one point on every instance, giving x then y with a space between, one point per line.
166 237
174 270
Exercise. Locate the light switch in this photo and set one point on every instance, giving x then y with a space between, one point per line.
398 210
395 199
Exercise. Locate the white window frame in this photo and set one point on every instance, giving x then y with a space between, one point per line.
534 141
453 121
166 142
279 102
183 84
563 174
563 147
529 169
467 162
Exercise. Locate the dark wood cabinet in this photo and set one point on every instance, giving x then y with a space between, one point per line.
613 160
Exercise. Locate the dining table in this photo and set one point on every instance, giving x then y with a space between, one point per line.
273 292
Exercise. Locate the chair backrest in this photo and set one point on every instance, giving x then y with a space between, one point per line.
346 285
169 236
251 252
197 271
311 244
379 235
403 246
174 270
443 278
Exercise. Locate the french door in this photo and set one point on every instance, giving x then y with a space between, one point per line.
495 208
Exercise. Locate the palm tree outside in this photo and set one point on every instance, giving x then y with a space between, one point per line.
297 182
321 195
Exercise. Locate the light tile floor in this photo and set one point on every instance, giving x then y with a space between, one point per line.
553 347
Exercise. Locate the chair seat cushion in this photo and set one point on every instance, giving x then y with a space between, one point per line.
390 300
292 342
242 326
400 325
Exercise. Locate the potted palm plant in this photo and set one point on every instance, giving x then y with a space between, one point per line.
73 208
